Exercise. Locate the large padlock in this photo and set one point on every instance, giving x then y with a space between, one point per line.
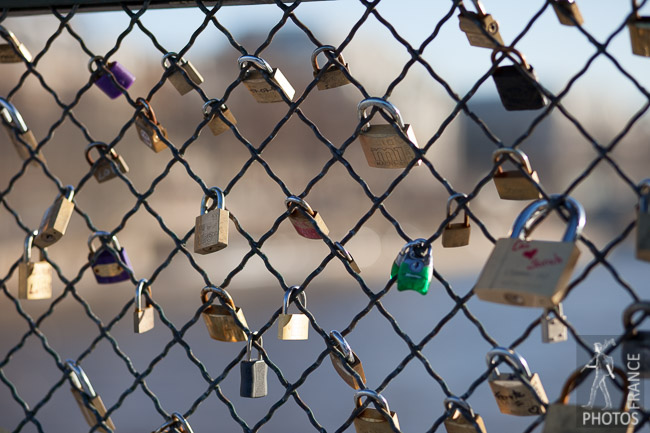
110 262
350 361
461 417
520 392
345 255
143 318
481 29
22 138
517 84
211 227
553 329
383 146
333 76
532 273
293 326
104 168
181 68
265 83
55 220
567 12
146 124
13 51
299 210
639 28
220 319
636 347
513 184
456 234
253 371
91 405
643 222
216 123
370 420
34 278
112 79
176 423
413 267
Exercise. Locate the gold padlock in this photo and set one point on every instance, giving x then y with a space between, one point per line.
13 51
513 184
55 220
553 330
345 359
143 318
643 222
177 77
639 28
22 138
175 424
369 420
461 417
91 405
211 227
333 76
220 319
265 83
146 124
34 279
345 255
567 12
481 29
216 123
456 234
293 326
298 210
105 169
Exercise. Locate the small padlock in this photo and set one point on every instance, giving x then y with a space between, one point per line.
211 227
345 255
143 318
532 273
636 347
333 75
146 124
220 320
293 326
112 81
567 12
91 405
382 145
55 220
34 278
413 267
110 262
461 418
253 372
22 138
177 423
350 358
517 84
553 330
265 83
377 420
639 28
643 222
513 184
481 29
13 51
216 123
298 210
104 168
456 234
177 77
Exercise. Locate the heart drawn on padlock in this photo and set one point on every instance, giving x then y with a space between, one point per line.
530 254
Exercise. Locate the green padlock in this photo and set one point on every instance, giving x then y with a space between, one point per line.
413 267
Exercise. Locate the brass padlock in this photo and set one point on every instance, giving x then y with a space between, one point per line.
13 51
293 326
345 255
216 123
350 361
55 220
91 405
456 234
104 168
175 424
567 12
146 124
636 346
34 278
513 184
220 319
333 76
643 222
532 273
143 318
517 84
265 83
553 330
298 210
461 417
379 420
481 29
22 138
519 393
383 145
181 68
639 28
211 227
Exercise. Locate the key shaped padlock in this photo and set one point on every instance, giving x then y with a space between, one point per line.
216 123
512 391
517 84
253 372
22 138
177 423
176 77
91 405
111 81
298 208
110 262
143 318
333 76
513 184
456 234
382 145
263 82
55 220
636 347
481 29
345 255
461 417
639 28
219 319
643 222
211 227
104 168
34 278
371 420
146 124
12 51
531 273
413 267
350 358
567 12
553 330
293 326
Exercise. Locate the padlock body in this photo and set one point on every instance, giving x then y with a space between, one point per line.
180 82
527 273
54 223
517 88
8 53
564 9
566 418
218 126
414 274
105 82
253 378
553 330
332 77
514 398
221 325
293 327
103 170
514 185
370 420
643 236
472 24
640 35
34 280
106 268
211 231
148 134
143 320
636 351
263 91
384 148
29 139
348 378
88 414
456 235
458 424
305 227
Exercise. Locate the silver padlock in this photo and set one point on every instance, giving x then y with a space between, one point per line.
253 372
176 423
350 359
91 405
13 51
34 278
55 220
333 76
553 330
143 318
211 227
272 89
345 255
216 123
22 138
636 347
293 326
104 168
177 77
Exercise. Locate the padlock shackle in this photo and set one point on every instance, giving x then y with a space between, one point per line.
557 310
342 252
577 376
297 201
102 148
287 298
258 62
382 104
210 103
644 191
167 58
103 234
415 242
342 346
377 398
142 284
323 49
96 61
29 243
148 111
249 346
7 35
515 360
79 380
507 52
12 116
69 192
175 419
221 293
635 8
516 154
453 404
538 209
218 204
631 310
456 197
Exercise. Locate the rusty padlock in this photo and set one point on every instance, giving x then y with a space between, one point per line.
517 84
146 124
481 29
263 82
112 79
636 347
639 28
13 51
34 278
104 168
298 210
333 76
216 123
350 359
220 319
22 138
143 318
293 326
643 222
211 227
345 255
107 261
553 330
461 417
91 405
456 234
176 424
177 77
371 420
55 220
513 184
567 12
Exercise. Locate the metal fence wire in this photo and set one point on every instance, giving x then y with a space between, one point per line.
389 142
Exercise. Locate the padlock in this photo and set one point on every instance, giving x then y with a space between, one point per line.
513 184
220 319
413 267
481 29
143 318
104 168
265 83
211 227
520 392
517 84
34 278
22 138
176 77
111 81
643 222
146 124
636 347
91 405
461 418
13 51
293 326
298 210
567 12
216 123
177 423
333 75
55 220
382 145
110 262
456 234
532 273
553 330
639 28
350 358
253 372
345 255
372 420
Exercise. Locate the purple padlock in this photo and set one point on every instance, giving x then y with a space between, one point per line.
106 267
104 80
